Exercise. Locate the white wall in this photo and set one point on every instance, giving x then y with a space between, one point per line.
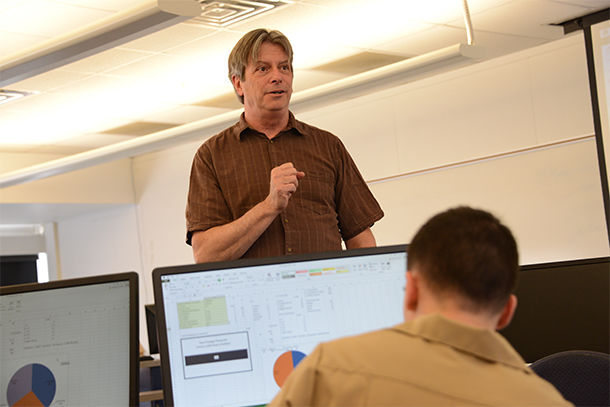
484 115
102 242
536 100
161 184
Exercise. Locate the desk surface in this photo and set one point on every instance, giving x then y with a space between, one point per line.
151 395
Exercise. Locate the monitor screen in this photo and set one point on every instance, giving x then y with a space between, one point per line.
231 332
70 342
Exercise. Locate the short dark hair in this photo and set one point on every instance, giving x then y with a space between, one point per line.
469 253
247 49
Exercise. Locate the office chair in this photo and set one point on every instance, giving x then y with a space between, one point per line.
582 377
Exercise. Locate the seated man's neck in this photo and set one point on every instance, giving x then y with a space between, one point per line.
268 123
453 310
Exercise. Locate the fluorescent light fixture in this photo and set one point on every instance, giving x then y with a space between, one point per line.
15 230
104 34
303 100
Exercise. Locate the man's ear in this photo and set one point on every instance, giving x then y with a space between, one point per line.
237 85
411 292
507 312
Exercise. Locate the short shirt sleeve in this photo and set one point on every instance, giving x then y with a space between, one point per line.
206 206
357 208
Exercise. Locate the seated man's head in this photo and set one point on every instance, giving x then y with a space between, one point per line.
463 263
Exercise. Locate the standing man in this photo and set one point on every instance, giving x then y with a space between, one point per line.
462 268
271 185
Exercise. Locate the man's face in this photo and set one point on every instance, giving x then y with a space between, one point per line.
267 82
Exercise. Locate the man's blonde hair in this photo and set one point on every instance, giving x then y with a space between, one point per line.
248 47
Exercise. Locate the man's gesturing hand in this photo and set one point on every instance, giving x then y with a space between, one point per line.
284 181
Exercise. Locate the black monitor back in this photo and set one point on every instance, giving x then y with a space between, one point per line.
151 329
561 306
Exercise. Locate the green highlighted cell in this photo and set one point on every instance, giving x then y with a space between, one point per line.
207 312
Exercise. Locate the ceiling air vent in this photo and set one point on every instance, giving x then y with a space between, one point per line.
224 13
7 95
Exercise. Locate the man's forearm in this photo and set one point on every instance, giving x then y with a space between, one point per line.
363 239
232 240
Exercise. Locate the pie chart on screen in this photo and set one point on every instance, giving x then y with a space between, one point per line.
32 385
285 364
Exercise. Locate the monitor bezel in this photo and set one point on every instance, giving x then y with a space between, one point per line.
232 264
134 348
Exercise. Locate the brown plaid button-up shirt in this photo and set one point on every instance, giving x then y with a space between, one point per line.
230 175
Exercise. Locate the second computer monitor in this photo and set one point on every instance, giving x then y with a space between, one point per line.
231 332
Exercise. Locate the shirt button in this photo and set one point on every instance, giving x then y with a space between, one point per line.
289 250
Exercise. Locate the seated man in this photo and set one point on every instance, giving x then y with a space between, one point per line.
462 268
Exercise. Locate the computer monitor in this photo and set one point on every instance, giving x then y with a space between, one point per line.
561 306
151 329
231 332
71 342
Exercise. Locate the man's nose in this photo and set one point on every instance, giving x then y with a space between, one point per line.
276 75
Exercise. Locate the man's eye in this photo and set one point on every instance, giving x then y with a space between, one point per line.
261 68
285 68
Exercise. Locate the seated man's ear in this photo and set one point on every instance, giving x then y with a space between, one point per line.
411 296
507 312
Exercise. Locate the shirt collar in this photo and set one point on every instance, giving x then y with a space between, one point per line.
482 343
242 126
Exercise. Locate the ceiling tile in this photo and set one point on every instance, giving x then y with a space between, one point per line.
425 41
343 27
106 5
48 19
168 38
493 44
305 79
88 141
594 4
6 4
106 60
358 63
157 78
187 114
15 148
61 150
48 81
139 128
227 101
219 43
178 79
11 43
524 18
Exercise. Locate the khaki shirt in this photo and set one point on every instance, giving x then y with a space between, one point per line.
230 175
431 361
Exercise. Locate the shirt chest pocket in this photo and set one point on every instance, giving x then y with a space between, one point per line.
316 192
